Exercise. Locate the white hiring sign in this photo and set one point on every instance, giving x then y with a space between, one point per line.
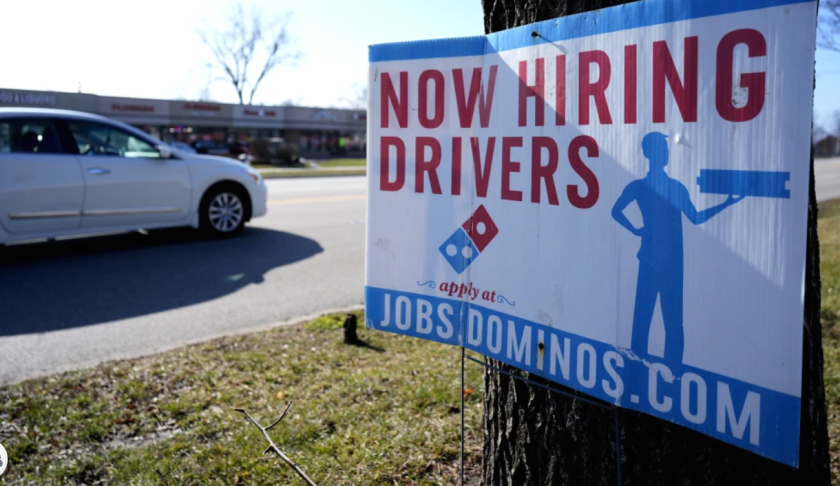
615 201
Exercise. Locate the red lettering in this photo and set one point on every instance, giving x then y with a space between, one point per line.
486 102
456 166
202 107
630 79
482 175
597 89
421 165
423 98
466 104
560 91
385 145
685 93
508 167
537 91
753 82
585 173
545 172
389 96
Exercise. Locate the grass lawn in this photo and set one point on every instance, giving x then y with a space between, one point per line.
829 231
340 167
383 414
325 164
343 163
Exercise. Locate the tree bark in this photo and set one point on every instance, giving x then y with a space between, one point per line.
535 437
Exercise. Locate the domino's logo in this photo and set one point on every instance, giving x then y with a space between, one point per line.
468 241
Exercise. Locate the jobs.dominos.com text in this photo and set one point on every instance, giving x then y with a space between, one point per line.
613 374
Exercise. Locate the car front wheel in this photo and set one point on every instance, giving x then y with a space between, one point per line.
223 213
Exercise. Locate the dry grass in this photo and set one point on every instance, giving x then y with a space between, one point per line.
379 414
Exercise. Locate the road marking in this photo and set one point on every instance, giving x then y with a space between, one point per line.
305 200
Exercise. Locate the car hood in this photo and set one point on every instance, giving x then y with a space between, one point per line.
215 164
211 159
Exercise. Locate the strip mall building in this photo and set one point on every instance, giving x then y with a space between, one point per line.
316 131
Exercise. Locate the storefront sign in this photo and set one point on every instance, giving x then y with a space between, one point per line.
615 201
134 110
118 107
325 115
260 112
192 112
32 99
201 107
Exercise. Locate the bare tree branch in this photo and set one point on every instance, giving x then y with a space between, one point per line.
281 417
275 46
828 28
250 48
273 447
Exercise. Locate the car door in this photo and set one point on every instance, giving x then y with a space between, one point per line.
127 182
41 186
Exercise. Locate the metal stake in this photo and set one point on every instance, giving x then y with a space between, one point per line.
463 353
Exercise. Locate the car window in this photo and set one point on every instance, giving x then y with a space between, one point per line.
29 136
98 139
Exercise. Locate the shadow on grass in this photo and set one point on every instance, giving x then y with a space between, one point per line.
363 344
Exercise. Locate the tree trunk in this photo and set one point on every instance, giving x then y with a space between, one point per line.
535 437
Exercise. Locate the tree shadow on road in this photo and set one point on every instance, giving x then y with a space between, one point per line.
67 284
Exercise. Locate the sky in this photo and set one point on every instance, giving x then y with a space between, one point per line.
152 49
827 91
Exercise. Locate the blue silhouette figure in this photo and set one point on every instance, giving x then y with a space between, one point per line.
662 202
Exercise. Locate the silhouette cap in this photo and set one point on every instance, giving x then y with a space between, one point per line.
652 140
655 146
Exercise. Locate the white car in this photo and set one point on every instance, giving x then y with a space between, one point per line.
65 173
182 147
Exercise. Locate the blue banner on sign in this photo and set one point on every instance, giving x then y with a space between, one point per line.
739 413
623 17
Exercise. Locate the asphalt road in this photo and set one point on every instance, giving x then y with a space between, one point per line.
74 303
827 178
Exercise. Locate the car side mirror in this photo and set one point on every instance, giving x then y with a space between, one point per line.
165 151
